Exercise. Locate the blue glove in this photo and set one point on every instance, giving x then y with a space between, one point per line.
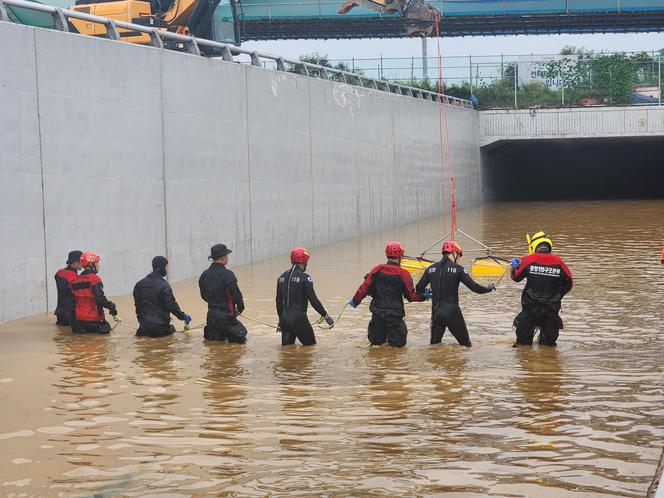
427 293
352 303
187 319
515 262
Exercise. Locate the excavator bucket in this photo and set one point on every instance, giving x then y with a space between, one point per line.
419 18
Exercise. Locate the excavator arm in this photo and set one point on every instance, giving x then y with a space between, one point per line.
419 18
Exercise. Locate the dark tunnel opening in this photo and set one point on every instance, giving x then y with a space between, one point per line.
571 169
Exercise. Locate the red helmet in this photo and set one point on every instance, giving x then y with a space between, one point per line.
394 249
452 246
299 255
88 258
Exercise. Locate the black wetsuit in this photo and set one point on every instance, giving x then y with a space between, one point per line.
388 285
154 301
64 310
444 277
295 290
548 280
218 286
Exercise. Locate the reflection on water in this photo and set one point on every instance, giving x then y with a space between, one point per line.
127 416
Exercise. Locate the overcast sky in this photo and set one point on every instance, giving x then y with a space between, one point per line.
508 45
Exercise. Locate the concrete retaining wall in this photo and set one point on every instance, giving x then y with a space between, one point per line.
592 122
132 151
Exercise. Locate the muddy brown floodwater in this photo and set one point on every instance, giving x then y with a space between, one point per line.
122 416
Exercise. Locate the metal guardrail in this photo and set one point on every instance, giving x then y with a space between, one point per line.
209 48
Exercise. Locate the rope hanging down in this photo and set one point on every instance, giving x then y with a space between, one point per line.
445 149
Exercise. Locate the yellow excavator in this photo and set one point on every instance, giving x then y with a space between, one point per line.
419 17
187 17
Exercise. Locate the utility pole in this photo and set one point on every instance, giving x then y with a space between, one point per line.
470 64
425 64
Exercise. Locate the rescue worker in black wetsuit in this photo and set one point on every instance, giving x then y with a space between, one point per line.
444 278
218 286
89 299
63 278
388 284
154 301
548 281
295 290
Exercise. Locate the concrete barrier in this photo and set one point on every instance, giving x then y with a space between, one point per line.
133 151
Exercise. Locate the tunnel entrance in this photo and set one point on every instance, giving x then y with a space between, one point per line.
571 169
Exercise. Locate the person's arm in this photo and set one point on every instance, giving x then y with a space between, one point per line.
408 289
237 295
424 281
201 287
567 279
279 300
311 296
102 300
363 289
472 285
135 294
519 273
170 302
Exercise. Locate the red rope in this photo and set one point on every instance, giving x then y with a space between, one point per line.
443 124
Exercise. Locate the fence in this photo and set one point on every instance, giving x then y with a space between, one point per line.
525 81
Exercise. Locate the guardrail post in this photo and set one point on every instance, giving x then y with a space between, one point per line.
192 47
155 39
59 21
304 70
280 64
3 13
254 59
112 30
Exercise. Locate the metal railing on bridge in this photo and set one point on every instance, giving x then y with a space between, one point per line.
201 47
577 79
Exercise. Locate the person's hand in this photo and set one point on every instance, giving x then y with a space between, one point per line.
114 312
491 287
329 320
187 319
427 294
515 262
352 303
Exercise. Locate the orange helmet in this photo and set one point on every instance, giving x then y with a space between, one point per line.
299 255
394 249
451 246
662 257
89 258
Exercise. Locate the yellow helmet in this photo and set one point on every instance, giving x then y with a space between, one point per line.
536 240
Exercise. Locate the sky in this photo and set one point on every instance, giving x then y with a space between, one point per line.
488 45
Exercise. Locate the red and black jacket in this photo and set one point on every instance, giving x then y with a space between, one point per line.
89 297
63 278
218 286
548 280
388 285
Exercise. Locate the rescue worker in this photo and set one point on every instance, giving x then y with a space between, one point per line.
63 277
89 299
218 286
444 278
388 284
295 290
154 301
547 281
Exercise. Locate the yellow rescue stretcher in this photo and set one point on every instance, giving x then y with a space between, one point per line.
481 267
